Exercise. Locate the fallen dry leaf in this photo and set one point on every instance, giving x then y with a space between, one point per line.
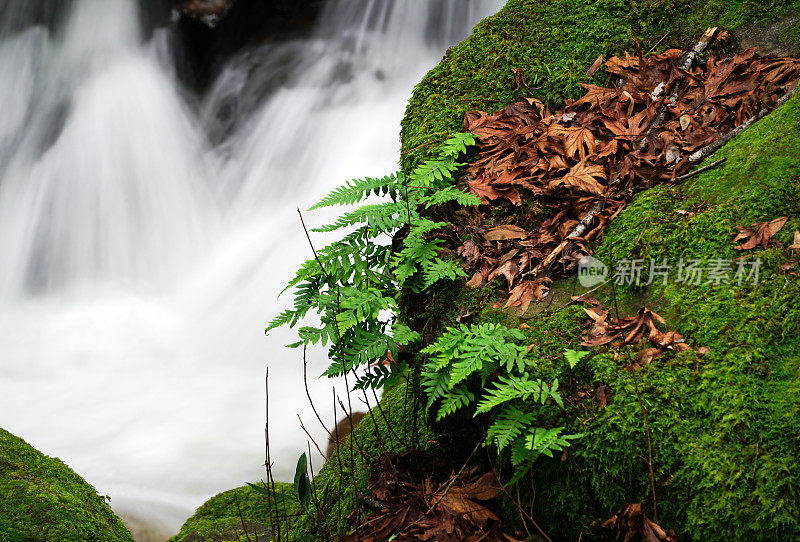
583 178
595 66
761 233
502 233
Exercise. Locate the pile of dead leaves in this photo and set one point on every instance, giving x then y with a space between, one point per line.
412 507
591 156
631 524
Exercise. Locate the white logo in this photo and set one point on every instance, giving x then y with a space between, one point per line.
591 271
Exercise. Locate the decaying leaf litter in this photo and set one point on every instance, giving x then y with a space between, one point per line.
412 504
661 115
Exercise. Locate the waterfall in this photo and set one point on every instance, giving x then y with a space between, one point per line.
145 234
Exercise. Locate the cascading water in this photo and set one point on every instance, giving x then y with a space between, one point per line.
141 262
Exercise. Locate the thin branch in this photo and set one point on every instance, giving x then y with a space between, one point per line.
241 517
653 48
710 149
308 394
303 427
584 294
273 500
316 500
698 171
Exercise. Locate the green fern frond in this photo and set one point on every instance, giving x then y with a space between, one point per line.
379 217
448 194
454 400
457 144
426 175
514 387
357 190
508 426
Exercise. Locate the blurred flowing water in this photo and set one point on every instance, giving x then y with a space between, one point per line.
145 234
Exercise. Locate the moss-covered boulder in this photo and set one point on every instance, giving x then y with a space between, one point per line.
236 514
397 424
42 499
724 426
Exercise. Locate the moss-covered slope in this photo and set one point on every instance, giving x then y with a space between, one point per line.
43 500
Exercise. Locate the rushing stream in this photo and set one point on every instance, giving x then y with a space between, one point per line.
145 234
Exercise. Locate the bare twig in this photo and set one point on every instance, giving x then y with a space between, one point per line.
241 517
303 427
317 505
653 48
698 171
584 294
308 394
341 468
272 499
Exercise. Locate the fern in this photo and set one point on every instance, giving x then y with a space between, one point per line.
380 218
486 357
353 283
455 399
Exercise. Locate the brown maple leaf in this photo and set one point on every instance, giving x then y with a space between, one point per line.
760 234
578 141
527 292
582 177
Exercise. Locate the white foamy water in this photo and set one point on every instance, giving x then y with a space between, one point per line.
141 262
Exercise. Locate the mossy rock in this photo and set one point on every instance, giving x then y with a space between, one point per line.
725 426
392 427
552 44
236 514
42 500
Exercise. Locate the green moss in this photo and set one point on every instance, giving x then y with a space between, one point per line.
734 14
791 33
725 427
236 515
42 499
